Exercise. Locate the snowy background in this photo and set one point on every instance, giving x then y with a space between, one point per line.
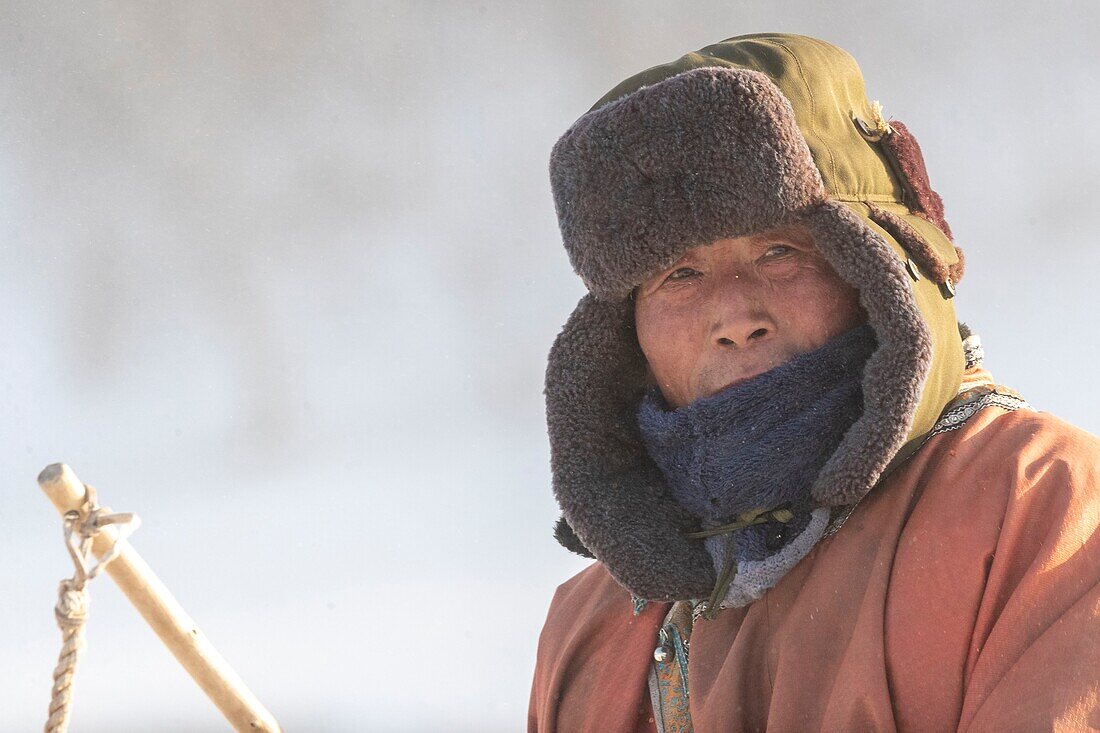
281 278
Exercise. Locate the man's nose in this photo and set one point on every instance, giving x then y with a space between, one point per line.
740 313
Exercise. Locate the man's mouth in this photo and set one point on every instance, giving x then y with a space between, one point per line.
754 372
736 382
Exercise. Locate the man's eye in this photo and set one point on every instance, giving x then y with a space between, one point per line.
778 250
682 273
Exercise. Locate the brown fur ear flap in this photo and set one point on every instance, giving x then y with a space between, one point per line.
957 270
568 539
906 153
914 244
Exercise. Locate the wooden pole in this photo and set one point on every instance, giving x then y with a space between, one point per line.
164 614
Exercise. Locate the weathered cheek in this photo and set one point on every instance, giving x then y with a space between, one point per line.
647 323
657 328
668 338
666 319
843 297
790 279
832 306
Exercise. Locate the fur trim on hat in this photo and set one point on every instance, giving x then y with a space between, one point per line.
709 153
895 373
610 491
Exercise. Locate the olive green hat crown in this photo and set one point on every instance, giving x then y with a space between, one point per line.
861 160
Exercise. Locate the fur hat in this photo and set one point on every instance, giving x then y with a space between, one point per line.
742 136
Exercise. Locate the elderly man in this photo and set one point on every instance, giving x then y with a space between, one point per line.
811 507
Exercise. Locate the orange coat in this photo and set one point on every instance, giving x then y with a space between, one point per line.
962 594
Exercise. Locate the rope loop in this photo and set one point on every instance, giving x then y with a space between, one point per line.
71 610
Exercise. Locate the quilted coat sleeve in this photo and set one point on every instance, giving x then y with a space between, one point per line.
1034 657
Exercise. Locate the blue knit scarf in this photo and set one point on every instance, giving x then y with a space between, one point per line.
758 446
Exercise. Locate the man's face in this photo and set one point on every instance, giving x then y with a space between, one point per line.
728 311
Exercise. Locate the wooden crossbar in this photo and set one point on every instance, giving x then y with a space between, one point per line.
163 613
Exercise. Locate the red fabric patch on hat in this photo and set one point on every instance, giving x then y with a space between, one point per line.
905 151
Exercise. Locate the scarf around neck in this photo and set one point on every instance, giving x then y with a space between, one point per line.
757 447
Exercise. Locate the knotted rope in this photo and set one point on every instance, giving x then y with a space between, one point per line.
71 610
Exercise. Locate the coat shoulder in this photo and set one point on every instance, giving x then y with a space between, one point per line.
1021 446
1032 652
1020 480
587 596
594 577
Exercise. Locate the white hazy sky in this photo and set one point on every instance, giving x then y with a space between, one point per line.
281 278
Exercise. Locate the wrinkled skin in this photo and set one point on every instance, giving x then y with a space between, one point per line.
736 308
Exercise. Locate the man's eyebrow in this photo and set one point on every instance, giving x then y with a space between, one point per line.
688 255
791 233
